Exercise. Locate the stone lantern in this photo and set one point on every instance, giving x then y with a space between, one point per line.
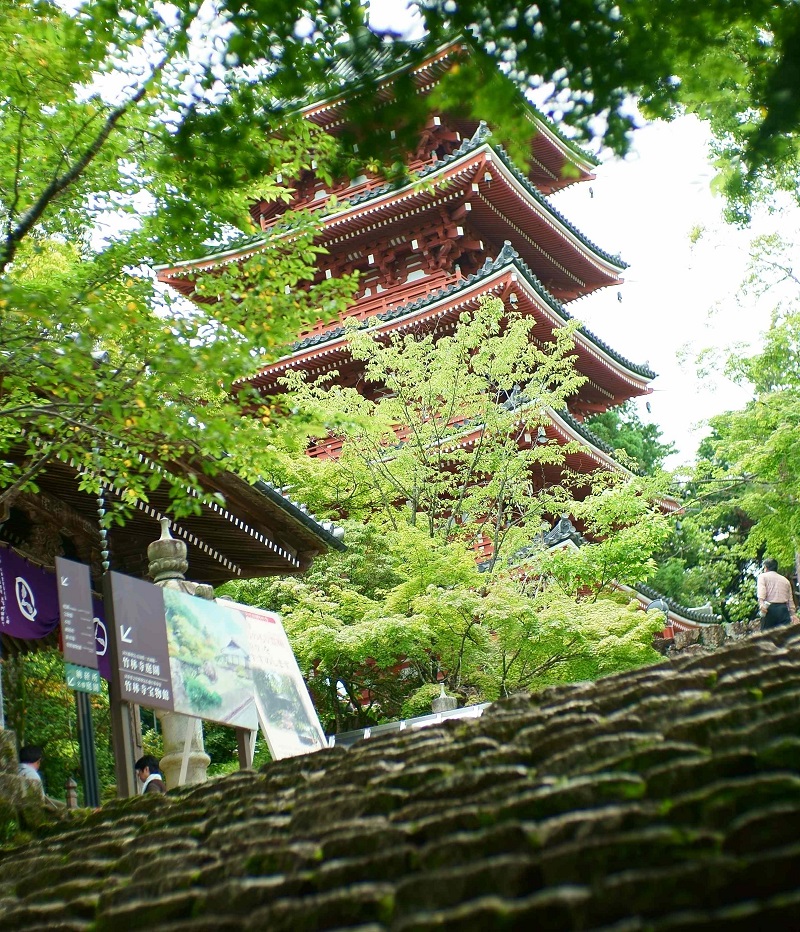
167 565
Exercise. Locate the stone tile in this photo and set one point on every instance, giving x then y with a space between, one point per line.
667 798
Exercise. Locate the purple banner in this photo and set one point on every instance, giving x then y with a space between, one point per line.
28 598
29 605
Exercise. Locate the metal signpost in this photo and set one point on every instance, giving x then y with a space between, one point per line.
74 586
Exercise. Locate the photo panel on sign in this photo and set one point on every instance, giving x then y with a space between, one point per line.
286 713
210 660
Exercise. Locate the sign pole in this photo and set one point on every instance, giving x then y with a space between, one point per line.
78 632
91 779
245 745
121 731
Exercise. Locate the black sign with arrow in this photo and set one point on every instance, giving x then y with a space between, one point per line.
140 631
74 585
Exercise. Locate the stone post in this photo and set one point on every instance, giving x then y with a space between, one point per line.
167 565
444 703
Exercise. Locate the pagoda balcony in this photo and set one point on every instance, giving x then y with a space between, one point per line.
367 306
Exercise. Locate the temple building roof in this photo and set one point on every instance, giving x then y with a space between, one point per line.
549 238
258 531
665 799
551 148
699 615
505 271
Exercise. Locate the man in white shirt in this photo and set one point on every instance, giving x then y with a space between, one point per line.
30 760
775 597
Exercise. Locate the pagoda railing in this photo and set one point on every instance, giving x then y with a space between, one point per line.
370 305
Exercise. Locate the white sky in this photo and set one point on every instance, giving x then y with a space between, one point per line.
678 298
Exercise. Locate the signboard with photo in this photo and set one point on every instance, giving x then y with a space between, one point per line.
285 711
218 661
209 660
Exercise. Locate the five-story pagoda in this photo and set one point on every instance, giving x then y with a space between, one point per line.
466 223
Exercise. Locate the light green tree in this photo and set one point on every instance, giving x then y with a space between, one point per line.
101 118
741 501
437 458
444 432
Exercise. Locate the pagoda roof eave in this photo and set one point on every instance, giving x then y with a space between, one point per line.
437 173
568 430
339 98
492 274
585 161
572 431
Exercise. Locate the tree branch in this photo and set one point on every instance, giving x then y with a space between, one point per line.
59 184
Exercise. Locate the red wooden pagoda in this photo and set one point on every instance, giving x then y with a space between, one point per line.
469 223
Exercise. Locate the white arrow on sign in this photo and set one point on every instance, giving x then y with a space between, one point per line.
124 632
65 581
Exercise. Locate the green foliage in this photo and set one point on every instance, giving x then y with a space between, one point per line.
742 498
626 523
734 63
101 176
40 709
465 401
622 429
378 657
419 702
407 608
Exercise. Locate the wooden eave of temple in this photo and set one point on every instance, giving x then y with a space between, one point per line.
585 451
611 379
257 532
555 162
458 208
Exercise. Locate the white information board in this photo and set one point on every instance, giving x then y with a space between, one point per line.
286 713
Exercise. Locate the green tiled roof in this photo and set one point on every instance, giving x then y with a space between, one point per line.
507 256
667 798
693 614
478 139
